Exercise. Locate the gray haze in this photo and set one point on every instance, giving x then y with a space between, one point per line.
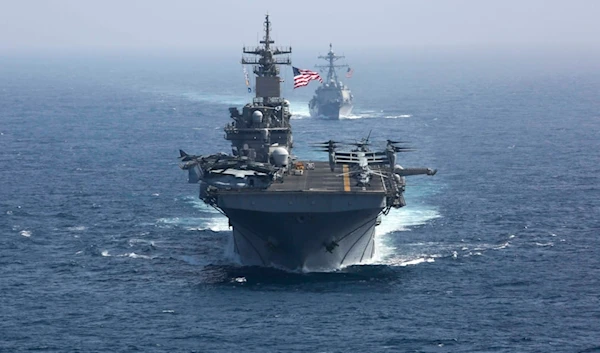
197 25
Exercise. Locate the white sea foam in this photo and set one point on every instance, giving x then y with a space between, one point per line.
371 114
135 241
215 223
230 253
25 233
502 246
405 260
402 219
398 221
135 256
397 116
132 255
239 280
299 110
351 117
416 261
208 219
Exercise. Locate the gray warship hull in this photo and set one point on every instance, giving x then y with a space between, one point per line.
324 232
314 221
333 99
333 111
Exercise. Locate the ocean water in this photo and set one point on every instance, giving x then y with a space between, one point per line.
104 247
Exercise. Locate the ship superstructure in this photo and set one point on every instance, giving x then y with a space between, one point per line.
332 99
288 213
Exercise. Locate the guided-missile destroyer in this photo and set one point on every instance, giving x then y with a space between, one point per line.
333 98
286 212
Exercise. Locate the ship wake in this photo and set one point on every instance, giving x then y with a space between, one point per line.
394 225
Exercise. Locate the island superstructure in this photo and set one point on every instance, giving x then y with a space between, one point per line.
289 213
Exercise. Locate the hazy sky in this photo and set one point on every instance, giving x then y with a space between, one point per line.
30 25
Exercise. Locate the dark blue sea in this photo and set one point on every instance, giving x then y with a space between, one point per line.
104 247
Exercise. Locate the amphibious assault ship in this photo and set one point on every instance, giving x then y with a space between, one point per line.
332 99
289 213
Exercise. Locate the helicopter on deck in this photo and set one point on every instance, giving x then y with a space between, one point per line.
361 158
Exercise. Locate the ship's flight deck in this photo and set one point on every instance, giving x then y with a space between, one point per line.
316 176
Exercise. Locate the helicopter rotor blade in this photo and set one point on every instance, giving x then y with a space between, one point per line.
403 149
381 175
325 146
330 142
390 142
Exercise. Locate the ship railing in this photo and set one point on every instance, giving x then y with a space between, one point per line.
271 100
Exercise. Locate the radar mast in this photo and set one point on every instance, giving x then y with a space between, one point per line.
331 58
265 64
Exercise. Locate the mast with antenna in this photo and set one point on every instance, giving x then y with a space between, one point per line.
265 64
331 59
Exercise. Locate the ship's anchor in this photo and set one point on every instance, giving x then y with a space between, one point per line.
331 246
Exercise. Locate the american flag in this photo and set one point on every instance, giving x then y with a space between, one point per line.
349 72
303 77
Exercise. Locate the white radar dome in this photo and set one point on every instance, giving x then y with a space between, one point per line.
280 156
257 117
